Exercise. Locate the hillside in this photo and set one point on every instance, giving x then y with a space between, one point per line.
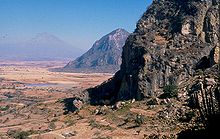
171 62
104 56
173 40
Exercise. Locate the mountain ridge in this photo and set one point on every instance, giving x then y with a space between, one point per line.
103 56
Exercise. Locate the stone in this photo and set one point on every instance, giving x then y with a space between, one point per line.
133 100
78 104
164 102
69 134
102 110
163 115
210 81
118 105
187 28
214 56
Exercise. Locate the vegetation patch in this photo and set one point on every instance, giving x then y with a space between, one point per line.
170 91
95 124
4 108
18 134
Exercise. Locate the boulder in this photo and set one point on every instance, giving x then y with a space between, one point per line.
210 81
78 104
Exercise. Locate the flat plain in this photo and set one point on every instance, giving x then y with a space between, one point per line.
31 96
40 104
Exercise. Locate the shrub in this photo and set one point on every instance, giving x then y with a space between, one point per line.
170 91
4 108
95 124
18 134
52 126
22 135
139 120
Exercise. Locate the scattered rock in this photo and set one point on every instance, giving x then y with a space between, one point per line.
164 102
133 100
78 104
69 134
118 105
210 81
102 110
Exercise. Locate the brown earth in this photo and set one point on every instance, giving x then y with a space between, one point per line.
39 103
31 96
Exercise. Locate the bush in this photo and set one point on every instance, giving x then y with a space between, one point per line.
52 126
22 135
4 108
139 120
170 91
18 134
95 124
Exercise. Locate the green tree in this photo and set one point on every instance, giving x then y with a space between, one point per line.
170 91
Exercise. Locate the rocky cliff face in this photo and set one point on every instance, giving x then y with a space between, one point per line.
104 56
173 39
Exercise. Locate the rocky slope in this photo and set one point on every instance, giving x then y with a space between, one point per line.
104 56
173 40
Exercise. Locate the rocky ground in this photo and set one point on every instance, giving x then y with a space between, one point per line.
48 108
126 120
42 105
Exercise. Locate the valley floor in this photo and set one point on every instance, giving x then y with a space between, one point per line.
31 97
38 103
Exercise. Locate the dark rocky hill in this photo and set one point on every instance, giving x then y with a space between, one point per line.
104 56
174 39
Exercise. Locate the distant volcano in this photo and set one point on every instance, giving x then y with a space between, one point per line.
43 46
104 56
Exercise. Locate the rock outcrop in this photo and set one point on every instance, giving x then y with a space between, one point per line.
104 56
173 39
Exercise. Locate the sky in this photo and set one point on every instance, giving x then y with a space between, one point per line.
78 22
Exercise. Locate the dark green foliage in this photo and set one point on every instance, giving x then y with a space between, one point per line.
170 91
4 108
188 116
18 134
22 135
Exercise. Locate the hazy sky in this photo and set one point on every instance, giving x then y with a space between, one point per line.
79 22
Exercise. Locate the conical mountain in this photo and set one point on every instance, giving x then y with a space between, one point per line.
43 46
104 56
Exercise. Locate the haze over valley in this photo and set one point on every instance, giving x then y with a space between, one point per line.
109 69
43 46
